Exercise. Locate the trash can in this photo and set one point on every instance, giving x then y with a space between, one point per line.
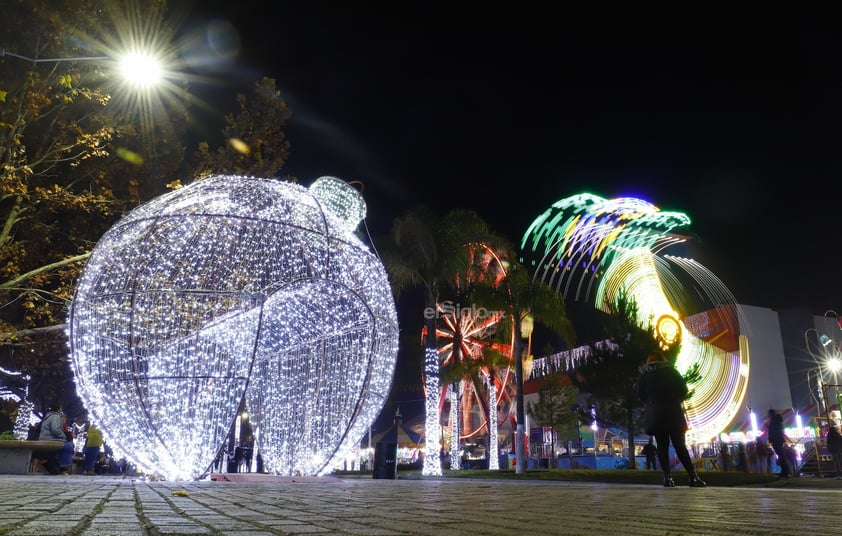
385 460
231 466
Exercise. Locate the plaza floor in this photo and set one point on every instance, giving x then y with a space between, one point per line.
79 505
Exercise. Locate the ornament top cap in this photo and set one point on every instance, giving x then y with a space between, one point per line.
340 199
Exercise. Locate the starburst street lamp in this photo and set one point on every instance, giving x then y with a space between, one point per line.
144 75
825 354
832 351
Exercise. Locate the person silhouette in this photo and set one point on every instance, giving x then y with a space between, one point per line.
834 445
651 453
663 390
724 456
742 458
775 434
764 455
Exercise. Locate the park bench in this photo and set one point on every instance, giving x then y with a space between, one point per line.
16 456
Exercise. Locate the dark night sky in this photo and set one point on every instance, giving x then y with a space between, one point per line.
731 115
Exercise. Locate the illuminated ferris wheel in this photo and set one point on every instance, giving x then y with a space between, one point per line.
465 334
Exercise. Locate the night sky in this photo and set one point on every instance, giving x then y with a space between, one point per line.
729 114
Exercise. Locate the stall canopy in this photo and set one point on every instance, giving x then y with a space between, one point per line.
404 434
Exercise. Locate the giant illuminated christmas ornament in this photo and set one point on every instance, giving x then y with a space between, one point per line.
235 289
590 249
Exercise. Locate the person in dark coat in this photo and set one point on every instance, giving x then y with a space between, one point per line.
663 390
725 456
834 445
776 437
651 453
764 455
742 457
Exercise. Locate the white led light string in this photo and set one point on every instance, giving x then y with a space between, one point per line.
210 294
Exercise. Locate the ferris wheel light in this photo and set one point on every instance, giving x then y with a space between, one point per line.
834 364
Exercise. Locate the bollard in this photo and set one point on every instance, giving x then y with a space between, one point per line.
385 460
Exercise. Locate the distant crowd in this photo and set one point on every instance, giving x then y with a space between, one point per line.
84 449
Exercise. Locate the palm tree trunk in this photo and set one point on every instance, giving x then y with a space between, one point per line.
520 445
630 429
432 426
491 415
551 463
456 401
455 425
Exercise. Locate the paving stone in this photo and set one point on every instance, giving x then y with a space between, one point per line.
48 506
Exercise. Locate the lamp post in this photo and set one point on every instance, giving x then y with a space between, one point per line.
4 52
139 69
595 428
825 354
522 330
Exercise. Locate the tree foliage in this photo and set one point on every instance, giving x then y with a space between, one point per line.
521 298
78 150
553 408
255 143
609 375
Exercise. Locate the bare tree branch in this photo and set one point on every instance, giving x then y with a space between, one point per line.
17 335
43 269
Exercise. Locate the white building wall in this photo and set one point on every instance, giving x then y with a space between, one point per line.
768 385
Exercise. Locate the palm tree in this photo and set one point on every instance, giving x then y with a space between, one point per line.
467 330
493 360
430 254
457 372
521 298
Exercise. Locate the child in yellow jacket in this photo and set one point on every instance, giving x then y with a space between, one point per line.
92 445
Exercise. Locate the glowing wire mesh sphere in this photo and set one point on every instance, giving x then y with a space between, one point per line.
230 289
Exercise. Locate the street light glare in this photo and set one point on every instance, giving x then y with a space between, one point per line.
141 70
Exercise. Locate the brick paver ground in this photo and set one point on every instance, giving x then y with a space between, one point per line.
77 505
